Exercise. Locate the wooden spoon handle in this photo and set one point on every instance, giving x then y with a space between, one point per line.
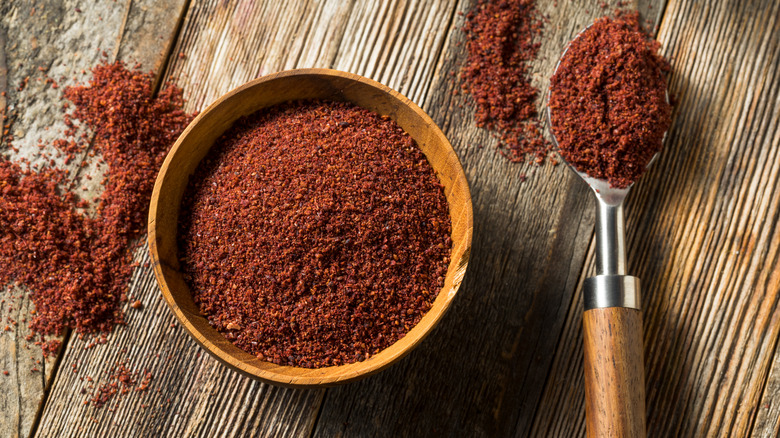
614 373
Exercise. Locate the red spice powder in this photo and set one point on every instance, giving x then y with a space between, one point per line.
608 102
501 42
314 234
77 267
121 380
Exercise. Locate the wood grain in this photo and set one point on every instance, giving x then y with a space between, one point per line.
3 81
702 235
767 422
395 42
53 36
614 372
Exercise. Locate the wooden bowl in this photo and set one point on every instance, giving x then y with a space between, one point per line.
270 90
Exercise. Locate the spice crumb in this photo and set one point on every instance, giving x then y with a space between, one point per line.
120 381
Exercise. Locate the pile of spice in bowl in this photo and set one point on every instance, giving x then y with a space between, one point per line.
311 227
314 234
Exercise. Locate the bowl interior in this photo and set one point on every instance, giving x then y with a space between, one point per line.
270 90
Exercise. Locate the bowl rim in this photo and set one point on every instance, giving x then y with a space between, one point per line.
310 377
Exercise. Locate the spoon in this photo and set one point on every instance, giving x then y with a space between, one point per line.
612 320
612 327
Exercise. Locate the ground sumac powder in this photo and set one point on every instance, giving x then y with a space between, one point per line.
75 266
314 233
608 102
120 380
501 40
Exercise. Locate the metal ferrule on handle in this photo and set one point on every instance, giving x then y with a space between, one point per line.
604 291
611 287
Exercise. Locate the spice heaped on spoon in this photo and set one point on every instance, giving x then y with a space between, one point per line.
608 104
609 113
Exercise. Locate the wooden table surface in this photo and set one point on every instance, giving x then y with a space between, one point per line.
702 228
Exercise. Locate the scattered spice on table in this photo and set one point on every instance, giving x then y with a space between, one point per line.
501 41
608 100
76 266
120 380
314 233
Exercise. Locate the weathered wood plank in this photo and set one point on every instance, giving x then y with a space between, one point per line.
483 371
61 40
390 42
141 33
221 47
767 422
702 236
